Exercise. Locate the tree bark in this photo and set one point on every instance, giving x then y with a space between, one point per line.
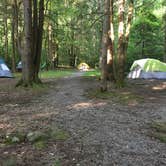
110 52
72 54
31 54
6 31
14 35
165 36
13 46
120 52
27 60
39 41
105 40
123 39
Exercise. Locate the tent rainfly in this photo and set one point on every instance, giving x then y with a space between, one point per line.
148 69
4 70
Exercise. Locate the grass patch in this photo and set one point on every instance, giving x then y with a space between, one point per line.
116 96
57 163
100 95
93 73
17 75
39 145
160 136
59 135
159 126
160 131
55 73
50 73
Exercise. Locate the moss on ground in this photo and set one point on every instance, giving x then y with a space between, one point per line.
160 131
39 145
159 126
10 162
116 96
59 135
38 139
57 163
14 138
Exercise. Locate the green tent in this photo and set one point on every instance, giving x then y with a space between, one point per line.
148 68
149 65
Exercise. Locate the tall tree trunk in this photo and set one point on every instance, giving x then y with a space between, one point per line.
6 31
13 46
105 39
33 42
120 52
110 52
165 35
35 28
100 7
123 39
50 45
27 59
39 41
72 54
55 54
14 34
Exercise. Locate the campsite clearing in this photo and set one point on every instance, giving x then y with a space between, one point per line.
74 129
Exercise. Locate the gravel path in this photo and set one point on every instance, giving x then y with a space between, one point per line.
103 133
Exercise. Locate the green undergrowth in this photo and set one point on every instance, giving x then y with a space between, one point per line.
17 75
35 89
159 131
57 163
39 139
116 96
55 73
59 135
41 144
51 73
92 73
12 161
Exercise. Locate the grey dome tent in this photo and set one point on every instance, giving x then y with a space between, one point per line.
4 70
148 69
19 66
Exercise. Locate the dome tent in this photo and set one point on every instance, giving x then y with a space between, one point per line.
83 67
4 70
148 68
19 66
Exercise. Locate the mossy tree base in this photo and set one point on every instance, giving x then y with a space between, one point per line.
32 83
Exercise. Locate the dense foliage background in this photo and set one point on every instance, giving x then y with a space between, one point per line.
73 31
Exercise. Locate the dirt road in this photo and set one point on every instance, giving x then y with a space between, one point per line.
102 132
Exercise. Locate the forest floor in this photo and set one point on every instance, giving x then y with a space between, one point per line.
85 127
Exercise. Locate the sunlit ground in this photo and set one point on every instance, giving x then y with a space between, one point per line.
161 86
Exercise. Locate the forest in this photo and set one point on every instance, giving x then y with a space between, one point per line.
71 32
72 97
